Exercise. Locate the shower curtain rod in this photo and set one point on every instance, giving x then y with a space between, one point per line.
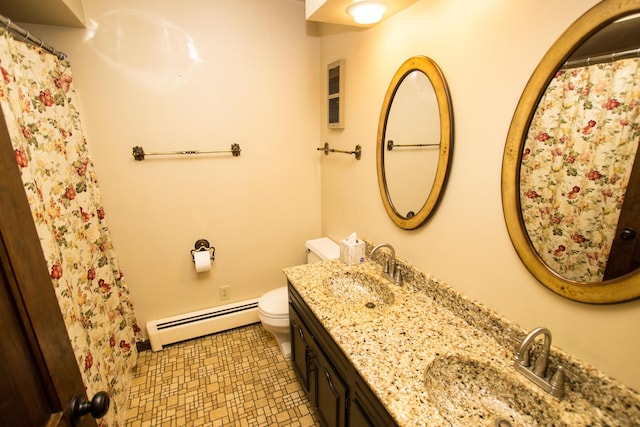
601 59
10 26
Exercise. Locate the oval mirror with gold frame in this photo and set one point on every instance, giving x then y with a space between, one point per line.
625 286
414 145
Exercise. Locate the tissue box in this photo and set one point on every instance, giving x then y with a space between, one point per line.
352 253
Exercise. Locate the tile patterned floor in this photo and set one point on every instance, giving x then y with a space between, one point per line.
233 378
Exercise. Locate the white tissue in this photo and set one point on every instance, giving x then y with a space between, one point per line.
352 250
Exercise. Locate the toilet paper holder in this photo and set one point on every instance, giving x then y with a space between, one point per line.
203 245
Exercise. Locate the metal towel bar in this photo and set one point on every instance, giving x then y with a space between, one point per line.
357 152
139 154
391 145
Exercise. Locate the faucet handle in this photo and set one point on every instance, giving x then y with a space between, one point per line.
557 379
540 365
397 276
557 382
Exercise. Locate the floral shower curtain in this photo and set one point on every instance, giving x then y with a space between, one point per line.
576 164
38 101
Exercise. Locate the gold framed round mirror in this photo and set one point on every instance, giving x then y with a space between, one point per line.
539 208
414 144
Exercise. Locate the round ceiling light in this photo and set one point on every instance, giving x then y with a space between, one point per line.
367 11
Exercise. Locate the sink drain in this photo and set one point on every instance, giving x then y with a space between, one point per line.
503 423
370 305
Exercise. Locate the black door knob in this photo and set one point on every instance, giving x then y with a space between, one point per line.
80 406
628 234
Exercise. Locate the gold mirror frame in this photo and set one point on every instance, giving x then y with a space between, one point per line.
435 76
620 289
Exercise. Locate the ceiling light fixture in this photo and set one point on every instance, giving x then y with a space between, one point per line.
367 11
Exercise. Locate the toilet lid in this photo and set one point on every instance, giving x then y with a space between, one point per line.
275 303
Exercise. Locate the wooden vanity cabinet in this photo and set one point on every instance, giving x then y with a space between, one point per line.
365 410
324 386
301 350
330 393
334 387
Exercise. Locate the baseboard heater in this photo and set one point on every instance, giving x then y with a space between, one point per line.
200 323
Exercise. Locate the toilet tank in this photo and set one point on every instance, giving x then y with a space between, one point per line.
321 249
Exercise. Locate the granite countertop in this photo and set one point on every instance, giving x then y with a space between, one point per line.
392 346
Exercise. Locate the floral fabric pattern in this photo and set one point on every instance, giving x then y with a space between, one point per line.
38 101
576 164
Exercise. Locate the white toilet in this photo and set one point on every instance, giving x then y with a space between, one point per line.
273 307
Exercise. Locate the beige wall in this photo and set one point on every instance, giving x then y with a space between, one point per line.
487 50
258 80
200 75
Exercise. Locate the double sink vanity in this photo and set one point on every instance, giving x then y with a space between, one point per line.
370 351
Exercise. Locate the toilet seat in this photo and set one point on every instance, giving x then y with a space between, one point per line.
275 304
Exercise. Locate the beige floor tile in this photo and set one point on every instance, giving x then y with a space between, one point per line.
233 378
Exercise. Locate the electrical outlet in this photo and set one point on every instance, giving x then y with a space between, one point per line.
225 292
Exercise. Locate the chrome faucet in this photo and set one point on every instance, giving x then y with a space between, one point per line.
390 269
554 385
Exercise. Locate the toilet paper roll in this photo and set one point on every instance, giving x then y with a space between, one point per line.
202 261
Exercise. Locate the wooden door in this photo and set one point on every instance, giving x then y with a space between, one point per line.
38 370
625 250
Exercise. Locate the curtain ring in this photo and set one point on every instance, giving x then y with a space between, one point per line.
8 24
26 37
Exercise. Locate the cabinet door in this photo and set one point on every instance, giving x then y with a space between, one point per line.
366 410
330 394
357 415
300 349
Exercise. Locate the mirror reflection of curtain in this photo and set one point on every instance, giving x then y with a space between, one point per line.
38 101
576 163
